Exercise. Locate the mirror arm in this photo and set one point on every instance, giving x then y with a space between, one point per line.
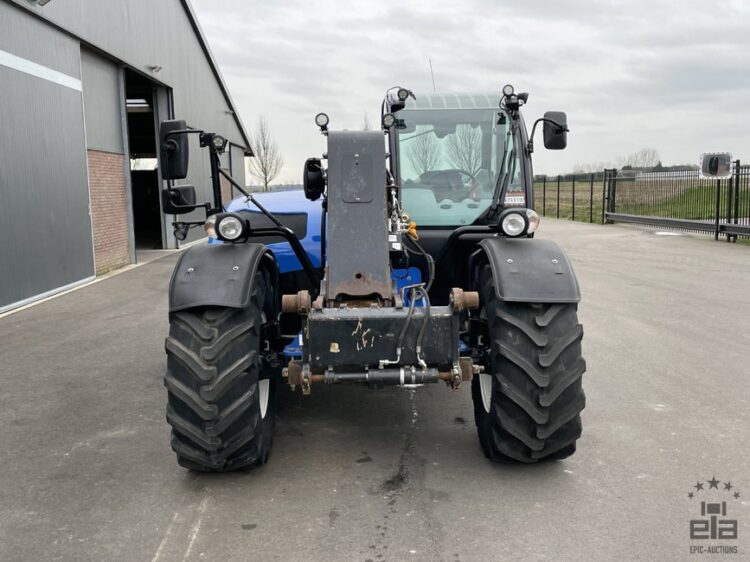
169 144
530 144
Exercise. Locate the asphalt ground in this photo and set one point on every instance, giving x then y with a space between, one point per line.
86 472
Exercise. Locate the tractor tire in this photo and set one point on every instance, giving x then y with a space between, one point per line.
527 403
220 402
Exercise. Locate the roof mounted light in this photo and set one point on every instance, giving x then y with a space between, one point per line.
322 120
508 90
389 120
403 94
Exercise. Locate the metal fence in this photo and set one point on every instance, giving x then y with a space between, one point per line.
573 196
671 200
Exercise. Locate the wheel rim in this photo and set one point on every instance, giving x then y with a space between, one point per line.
264 386
485 386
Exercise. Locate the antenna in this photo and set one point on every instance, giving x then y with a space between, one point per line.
432 75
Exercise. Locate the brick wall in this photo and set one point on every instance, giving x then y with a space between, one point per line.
109 210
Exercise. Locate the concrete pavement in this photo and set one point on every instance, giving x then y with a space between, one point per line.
355 474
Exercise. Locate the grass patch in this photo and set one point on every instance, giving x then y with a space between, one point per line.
574 202
676 198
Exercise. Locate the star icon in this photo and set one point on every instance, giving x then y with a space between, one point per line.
713 483
728 486
736 495
690 495
698 486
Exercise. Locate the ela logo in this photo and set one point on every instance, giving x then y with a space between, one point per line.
714 523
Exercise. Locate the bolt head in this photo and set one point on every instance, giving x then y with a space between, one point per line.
510 260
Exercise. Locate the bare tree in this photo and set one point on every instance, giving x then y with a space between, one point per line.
267 160
644 158
591 167
424 153
465 149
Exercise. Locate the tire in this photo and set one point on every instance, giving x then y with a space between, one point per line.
220 403
527 404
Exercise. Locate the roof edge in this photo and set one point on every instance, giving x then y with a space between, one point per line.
215 69
192 18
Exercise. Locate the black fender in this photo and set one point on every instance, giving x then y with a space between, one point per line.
529 270
218 275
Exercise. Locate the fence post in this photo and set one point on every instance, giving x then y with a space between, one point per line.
730 189
591 199
558 196
573 209
737 171
544 196
609 192
613 192
717 209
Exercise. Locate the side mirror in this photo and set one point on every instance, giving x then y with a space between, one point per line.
175 153
555 137
178 200
313 181
716 166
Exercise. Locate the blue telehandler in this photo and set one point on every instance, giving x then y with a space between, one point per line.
408 258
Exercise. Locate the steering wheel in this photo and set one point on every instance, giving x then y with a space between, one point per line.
450 184
463 172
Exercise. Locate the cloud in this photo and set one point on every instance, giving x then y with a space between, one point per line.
673 75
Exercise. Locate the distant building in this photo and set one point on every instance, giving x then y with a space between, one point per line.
83 86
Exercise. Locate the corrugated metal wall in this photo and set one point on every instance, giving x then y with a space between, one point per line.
144 33
102 107
44 207
43 177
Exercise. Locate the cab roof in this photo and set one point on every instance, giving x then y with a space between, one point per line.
454 101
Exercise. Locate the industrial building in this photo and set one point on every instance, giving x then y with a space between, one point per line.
83 87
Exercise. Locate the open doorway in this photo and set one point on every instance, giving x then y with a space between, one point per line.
140 94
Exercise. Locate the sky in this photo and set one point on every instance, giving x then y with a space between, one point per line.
672 75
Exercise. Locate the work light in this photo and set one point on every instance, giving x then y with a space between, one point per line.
322 120
219 143
388 120
508 90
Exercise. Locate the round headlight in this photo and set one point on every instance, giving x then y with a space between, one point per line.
403 94
388 120
321 120
229 227
513 224
534 220
210 226
508 90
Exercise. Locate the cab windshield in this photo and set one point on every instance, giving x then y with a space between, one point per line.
449 163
